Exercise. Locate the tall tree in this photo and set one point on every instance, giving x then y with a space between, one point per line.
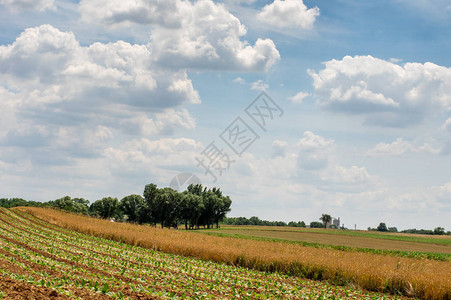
105 208
222 207
191 209
382 227
326 219
131 206
149 209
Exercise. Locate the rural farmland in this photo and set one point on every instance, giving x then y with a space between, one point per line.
438 245
56 249
49 261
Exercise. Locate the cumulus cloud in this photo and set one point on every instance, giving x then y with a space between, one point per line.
314 151
199 35
50 66
385 93
317 155
299 97
400 147
24 5
447 125
72 99
239 80
434 198
259 85
279 148
288 14
146 156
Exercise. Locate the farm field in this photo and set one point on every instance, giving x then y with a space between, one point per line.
41 260
359 239
419 277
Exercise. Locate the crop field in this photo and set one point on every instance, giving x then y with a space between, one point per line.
41 261
355 239
417 277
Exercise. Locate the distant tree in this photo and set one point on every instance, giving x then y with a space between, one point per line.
222 207
210 200
76 205
131 206
382 227
254 220
105 208
149 211
439 231
302 224
13 202
392 229
316 225
325 218
191 209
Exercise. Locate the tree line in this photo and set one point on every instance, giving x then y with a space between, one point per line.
437 231
195 207
256 221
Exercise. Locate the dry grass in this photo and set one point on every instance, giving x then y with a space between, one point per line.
427 279
338 240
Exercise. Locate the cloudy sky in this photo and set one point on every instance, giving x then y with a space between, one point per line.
100 97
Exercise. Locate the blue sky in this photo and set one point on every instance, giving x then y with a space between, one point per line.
102 97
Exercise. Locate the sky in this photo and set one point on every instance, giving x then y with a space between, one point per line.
293 108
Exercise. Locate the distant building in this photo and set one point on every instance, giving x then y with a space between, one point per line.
336 222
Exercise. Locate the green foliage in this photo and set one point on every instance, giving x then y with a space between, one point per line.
197 206
76 205
256 221
13 202
131 206
382 227
105 208
316 225
326 219
439 231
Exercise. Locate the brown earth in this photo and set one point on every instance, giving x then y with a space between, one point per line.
13 289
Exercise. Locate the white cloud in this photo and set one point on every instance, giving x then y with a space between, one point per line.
400 147
279 148
288 14
385 93
239 80
430 199
199 35
49 66
340 174
168 12
259 85
146 156
314 151
299 97
447 125
317 156
70 98
24 5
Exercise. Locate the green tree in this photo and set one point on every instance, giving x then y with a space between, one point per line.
222 207
191 209
131 206
439 231
326 219
105 208
148 213
210 201
316 225
382 227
